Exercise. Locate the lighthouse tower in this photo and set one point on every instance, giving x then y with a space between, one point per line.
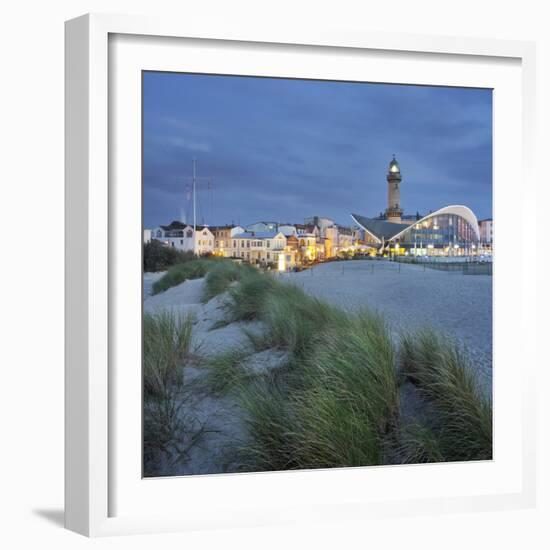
394 211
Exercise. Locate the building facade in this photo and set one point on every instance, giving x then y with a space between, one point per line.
223 235
265 248
449 231
183 237
486 231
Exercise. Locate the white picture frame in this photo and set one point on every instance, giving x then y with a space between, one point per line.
94 410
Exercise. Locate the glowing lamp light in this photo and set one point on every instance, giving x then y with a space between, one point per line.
281 264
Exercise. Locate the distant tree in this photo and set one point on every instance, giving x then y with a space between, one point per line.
159 257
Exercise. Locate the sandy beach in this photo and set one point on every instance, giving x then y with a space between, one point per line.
409 297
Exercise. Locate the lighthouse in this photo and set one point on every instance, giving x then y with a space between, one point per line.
394 211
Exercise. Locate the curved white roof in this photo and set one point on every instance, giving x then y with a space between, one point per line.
458 209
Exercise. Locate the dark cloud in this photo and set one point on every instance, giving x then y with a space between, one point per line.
286 149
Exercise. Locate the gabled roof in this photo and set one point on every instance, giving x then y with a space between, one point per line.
219 227
173 226
267 234
263 223
258 235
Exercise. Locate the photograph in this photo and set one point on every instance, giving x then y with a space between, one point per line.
317 274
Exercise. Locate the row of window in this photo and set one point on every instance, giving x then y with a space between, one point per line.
177 234
199 242
258 244
443 229
267 255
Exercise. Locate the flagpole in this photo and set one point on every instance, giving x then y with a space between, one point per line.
194 196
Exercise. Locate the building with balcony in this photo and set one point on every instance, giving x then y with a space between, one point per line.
184 237
223 235
266 248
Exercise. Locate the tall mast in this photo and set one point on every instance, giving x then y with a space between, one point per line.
194 197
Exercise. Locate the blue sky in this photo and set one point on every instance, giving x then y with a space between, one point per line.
283 150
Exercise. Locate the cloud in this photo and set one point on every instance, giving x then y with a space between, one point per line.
287 149
185 143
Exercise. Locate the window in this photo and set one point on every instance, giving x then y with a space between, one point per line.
268 244
242 244
247 245
189 233
268 255
181 241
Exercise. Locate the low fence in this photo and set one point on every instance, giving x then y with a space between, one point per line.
466 267
340 268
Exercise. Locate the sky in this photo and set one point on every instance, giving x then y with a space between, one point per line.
283 150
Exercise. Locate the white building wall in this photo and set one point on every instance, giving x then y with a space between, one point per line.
187 241
258 249
486 231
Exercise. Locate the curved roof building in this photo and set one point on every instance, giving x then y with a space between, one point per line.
452 230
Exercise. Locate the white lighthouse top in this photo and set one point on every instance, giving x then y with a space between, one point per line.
394 165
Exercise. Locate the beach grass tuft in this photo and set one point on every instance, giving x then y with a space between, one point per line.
167 430
166 345
226 371
462 412
338 398
222 275
179 273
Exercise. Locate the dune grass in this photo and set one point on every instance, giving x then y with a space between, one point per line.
293 318
166 345
350 400
177 274
247 298
335 403
167 430
226 370
222 274
339 394
462 419
269 419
